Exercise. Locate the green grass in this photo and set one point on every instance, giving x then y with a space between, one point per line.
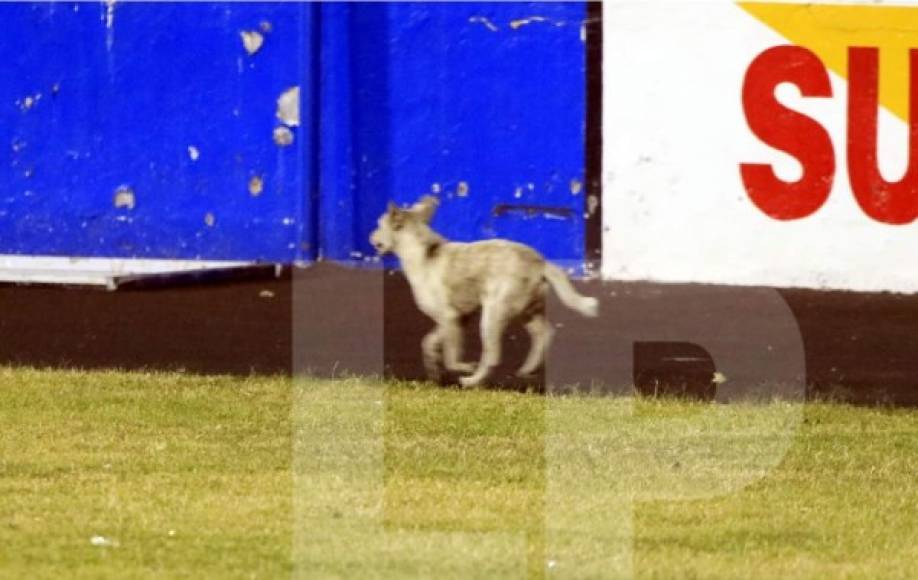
190 476
217 477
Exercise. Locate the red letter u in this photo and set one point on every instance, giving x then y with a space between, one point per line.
884 201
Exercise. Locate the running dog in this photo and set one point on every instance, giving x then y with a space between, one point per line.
450 280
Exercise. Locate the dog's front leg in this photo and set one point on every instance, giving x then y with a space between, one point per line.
430 348
493 323
451 332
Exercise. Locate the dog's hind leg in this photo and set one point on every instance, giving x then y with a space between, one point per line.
540 333
451 333
493 323
430 348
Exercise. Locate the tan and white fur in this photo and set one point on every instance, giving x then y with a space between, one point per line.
450 280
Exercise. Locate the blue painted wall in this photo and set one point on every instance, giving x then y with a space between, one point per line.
117 100
484 102
481 102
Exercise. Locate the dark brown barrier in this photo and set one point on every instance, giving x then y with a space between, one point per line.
858 347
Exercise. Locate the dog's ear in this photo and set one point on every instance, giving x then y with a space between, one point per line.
396 216
425 207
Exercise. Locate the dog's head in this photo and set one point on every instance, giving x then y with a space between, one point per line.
400 226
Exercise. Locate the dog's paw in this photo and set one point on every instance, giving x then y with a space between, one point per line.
589 306
463 367
526 374
468 381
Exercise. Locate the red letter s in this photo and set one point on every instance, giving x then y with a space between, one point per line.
789 131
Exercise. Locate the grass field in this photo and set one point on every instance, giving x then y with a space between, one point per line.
163 475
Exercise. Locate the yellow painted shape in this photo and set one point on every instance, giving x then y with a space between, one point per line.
829 29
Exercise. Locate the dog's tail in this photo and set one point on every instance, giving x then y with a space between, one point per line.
586 305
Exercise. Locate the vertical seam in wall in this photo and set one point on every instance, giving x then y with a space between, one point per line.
593 136
312 29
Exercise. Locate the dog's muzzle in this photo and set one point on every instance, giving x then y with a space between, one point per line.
378 244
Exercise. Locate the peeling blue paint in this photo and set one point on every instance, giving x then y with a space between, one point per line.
482 103
440 97
126 90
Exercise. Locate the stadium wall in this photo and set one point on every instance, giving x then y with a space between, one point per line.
727 143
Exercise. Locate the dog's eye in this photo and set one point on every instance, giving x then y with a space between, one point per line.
397 227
